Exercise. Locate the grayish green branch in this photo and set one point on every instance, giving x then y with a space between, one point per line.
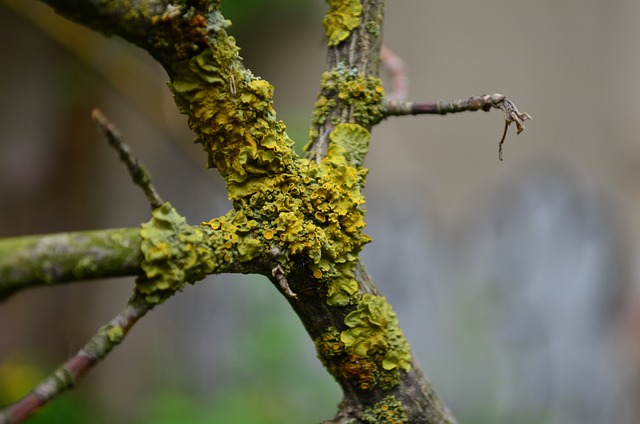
66 257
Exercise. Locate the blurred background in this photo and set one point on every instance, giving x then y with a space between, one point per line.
516 283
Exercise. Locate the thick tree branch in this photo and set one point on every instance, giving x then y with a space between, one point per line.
149 24
60 258
47 260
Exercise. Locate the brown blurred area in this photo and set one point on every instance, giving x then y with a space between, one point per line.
516 282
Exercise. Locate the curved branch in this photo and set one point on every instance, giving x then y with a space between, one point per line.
397 72
149 24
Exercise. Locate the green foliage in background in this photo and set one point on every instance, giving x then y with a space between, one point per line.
246 13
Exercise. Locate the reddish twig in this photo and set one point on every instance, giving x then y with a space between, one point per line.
397 72
69 373
485 102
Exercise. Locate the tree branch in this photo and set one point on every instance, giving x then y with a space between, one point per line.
351 91
60 258
69 373
47 260
484 102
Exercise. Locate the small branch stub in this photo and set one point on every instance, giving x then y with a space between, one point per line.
485 102
278 274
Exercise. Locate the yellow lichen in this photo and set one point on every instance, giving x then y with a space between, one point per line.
362 94
373 328
280 200
389 410
174 253
371 352
115 334
341 19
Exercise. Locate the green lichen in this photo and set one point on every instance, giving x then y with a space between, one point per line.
374 329
279 200
174 253
232 114
387 411
329 345
350 141
238 232
373 28
316 212
115 334
346 88
372 352
341 19
321 110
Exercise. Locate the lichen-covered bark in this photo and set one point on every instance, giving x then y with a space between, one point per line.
298 220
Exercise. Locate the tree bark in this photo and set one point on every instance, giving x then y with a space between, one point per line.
60 258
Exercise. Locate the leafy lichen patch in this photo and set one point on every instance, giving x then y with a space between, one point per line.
351 142
341 19
371 352
373 327
387 411
232 115
346 88
174 253
316 212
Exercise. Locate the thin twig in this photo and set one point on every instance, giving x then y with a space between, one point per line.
485 102
69 373
139 174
